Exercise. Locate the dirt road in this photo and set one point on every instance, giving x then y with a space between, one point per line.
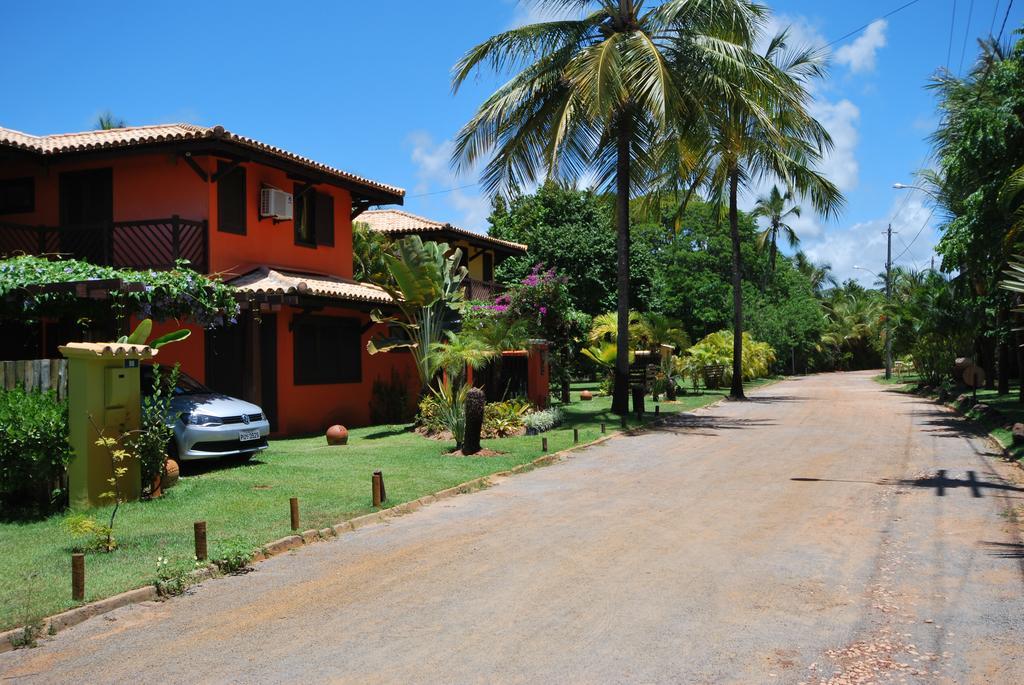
826 531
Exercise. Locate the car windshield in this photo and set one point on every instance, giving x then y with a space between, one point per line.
187 385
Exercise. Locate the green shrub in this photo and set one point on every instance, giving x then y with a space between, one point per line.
174 577
502 419
233 556
541 421
429 417
34 452
149 443
88 535
450 409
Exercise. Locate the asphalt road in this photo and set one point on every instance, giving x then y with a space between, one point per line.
826 531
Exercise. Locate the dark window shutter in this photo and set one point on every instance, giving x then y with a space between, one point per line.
488 267
231 200
17 195
327 350
324 217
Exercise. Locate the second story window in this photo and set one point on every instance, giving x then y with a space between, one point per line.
314 217
231 205
17 195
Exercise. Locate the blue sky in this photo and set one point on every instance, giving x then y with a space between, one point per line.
365 86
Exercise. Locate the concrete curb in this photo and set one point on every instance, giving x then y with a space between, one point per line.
149 593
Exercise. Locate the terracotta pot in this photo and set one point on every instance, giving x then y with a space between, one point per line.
171 473
337 435
586 395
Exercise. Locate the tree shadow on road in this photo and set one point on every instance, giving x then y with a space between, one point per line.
940 482
692 424
1004 550
772 399
945 423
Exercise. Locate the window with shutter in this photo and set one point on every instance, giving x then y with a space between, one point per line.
231 207
323 217
327 350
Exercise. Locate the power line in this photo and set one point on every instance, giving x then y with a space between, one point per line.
918 234
967 33
1006 16
995 13
952 25
884 16
446 190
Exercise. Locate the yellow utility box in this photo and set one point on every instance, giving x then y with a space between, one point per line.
103 384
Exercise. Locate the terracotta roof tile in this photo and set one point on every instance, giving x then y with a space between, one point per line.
144 135
397 222
279 282
108 349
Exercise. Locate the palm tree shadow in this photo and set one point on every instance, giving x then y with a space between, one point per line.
692 424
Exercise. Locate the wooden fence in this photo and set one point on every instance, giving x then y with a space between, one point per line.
36 375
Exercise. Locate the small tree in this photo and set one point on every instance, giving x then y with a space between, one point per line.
427 284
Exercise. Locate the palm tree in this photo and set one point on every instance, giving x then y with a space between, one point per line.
770 133
107 121
819 275
593 94
773 207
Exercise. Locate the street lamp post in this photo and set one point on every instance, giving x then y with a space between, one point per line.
904 186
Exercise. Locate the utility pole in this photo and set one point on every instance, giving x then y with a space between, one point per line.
888 300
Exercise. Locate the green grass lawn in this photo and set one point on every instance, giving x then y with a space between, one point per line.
248 504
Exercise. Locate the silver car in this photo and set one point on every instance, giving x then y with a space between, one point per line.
210 425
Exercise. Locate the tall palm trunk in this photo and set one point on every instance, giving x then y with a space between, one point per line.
774 249
620 394
736 392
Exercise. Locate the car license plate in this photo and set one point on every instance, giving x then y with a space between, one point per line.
248 435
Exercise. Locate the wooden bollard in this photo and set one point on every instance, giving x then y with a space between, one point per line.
657 409
543 444
575 436
294 506
383 490
376 488
200 532
623 421
78 576
602 428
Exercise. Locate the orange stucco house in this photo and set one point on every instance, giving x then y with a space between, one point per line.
142 197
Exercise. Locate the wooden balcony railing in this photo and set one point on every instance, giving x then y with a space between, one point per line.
140 244
481 290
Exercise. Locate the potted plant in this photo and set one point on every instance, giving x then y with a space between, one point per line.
150 442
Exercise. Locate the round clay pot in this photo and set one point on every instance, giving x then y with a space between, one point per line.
171 473
337 435
586 395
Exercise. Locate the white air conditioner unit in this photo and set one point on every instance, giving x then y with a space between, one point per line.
275 203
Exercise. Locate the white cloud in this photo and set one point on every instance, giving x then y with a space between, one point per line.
860 54
840 119
862 245
469 208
